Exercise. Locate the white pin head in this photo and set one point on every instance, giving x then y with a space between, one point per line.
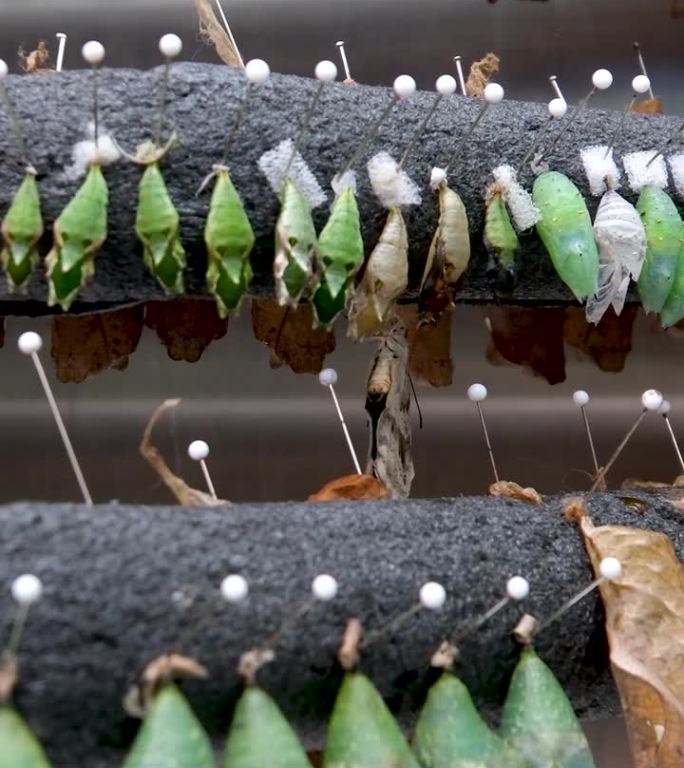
641 84
558 107
610 568
517 588
27 589
602 79
432 596
29 343
652 399
328 377
665 408
445 85
326 71
493 93
404 86
477 393
170 46
234 588
93 52
4 69
580 398
198 450
257 71
324 587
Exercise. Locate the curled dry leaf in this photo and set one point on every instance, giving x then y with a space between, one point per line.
429 346
33 63
185 327
652 106
84 345
213 31
186 496
356 487
608 343
481 73
645 627
507 489
291 336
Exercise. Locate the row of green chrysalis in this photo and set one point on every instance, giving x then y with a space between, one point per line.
538 730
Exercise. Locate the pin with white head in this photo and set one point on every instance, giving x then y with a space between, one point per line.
26 590
348 79
170 47
581 399
557 109
328 378
13 117
257 72
664 411
642 67
651 400
93 53
459 73
198 451
553 81
493 94
477 393
640 85
61 49
30 344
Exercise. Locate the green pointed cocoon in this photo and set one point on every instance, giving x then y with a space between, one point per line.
501 242
22 228
362 731
296 247
157 225
229 239
79 233
170 736
451 734
18 746
673 309
341 254
538 719
566 230
260 736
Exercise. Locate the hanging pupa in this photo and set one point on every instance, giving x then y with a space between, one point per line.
501 241
566 231
19 749
22 228
673 309
539 721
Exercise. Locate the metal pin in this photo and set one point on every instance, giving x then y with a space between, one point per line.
553 79
93 53
557 108
651 400
666 144
198 450
30 343
26 589
345 63
493 94
60 51
170 46
581 400
664 411
13 117
477 393
640 84
328 378
642 67
230 32
459 72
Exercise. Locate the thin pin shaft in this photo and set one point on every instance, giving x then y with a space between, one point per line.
535 143
666 144
17 630
568 605
459 72
642 67
421 128
347 436
60 51
207 478
585 418
304 127
369 136
164 91
62 430
556 88
243 109
475 625
469 133
343 56
581 106
391 627
602 474
674 442
14 122
620 125
96 108
489 445
229 31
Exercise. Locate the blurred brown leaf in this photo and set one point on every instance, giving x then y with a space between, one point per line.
607 343
84 345
528 336
429 346
212 30
481 72
291 336
356 487
186 327
507 489
645 627
649 106
33 63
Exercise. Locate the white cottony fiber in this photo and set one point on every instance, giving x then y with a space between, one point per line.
345 181
640 174
677 170
523 210
600 168
438 176
274 164
86 153
392 186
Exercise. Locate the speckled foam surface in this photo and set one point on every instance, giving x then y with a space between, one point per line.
203 100
110 573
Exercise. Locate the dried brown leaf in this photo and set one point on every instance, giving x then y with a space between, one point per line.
528 336
645 627
186 496
652 106
84 345
607 343
356 487
429 346
481 72
507 489
291 336
212 30
185 327
33 63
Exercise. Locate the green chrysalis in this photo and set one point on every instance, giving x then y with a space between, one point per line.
673 309
566 230
341 254
229 238
501 241
663 226
451 734
170 736
18 746
538 720
296 247
79 233
22 228
260 736
362 731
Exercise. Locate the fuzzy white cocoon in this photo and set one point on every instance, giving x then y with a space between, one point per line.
640 174
86 153
519 201
274 165
438 176
677 170
599 166
392 186
345 181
